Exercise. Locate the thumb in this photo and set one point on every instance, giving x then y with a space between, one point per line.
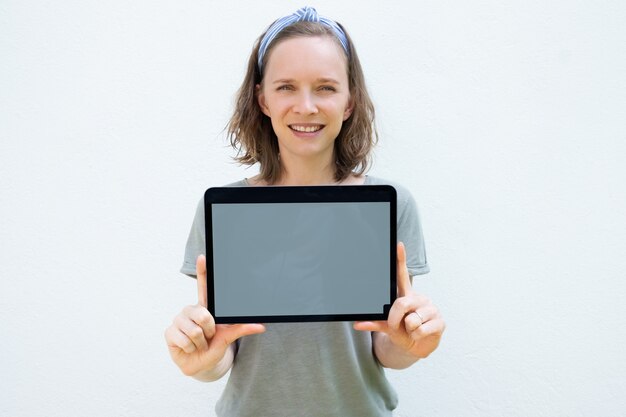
232 332
372 326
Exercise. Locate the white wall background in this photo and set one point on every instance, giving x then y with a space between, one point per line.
505 119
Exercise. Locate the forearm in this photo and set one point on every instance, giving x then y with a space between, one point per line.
220 369
389 355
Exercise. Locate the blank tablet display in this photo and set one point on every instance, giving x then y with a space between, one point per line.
300 253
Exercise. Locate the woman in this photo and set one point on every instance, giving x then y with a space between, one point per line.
303 113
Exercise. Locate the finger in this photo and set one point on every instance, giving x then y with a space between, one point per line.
426 312
413 320
232 332
399 309
201 316
178 340
201 278
402 273
371 326
194 332
432 328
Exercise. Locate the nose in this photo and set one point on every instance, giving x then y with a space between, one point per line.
305 103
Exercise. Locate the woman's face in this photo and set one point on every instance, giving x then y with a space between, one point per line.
305 92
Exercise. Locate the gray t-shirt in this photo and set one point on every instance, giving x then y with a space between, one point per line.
320 369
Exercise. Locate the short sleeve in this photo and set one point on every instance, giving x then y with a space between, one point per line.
410 233
195 242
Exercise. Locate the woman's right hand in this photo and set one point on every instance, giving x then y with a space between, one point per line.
197 345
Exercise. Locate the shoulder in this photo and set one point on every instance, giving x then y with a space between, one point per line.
404 195
240 183
200 205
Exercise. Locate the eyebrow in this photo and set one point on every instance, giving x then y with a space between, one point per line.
319 80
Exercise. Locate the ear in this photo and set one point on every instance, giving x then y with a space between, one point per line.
260 98
348 111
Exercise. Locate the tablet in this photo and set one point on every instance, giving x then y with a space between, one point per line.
300 254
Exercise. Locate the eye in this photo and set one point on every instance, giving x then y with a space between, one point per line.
285 87
327 88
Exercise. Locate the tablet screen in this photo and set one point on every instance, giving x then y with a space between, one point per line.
279 257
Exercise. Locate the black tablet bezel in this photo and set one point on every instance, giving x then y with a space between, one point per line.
300 194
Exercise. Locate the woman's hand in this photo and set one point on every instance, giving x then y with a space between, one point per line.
414 326
197 345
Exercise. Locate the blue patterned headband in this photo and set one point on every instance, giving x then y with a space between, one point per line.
305 14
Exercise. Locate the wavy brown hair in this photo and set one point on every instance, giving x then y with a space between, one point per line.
250 131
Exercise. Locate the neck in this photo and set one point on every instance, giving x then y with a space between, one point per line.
307 172
303 177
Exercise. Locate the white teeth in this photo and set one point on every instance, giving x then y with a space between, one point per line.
307 129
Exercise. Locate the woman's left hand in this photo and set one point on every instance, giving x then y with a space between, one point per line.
414 324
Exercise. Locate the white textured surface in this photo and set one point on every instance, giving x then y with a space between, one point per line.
505 119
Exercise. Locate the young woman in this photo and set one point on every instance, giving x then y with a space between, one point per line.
304 115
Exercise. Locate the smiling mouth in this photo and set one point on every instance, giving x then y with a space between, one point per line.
307 128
